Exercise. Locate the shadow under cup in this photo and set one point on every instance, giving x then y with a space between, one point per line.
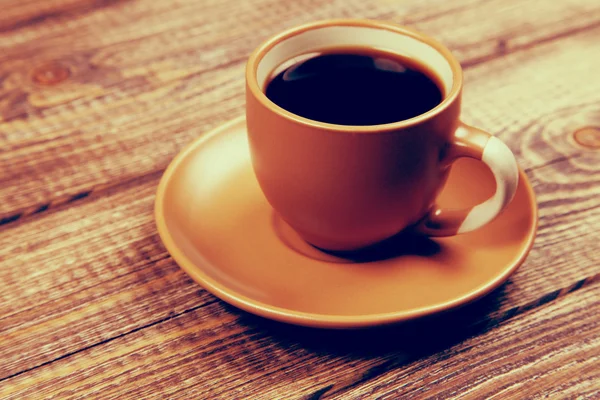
345 187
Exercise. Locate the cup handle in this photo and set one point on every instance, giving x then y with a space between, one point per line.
475 143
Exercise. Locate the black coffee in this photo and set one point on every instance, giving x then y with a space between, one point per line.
355 87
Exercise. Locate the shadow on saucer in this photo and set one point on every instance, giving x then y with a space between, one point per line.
404 243
406 341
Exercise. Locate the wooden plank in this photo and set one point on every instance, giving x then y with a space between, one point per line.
80 265
563 222
144 78
20 14
101 272
75 267
550 351
129 84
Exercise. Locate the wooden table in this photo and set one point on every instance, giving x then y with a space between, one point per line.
96 97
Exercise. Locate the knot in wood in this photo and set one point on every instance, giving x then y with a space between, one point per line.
50 73
588 136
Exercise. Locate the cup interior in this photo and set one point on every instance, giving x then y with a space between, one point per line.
300 44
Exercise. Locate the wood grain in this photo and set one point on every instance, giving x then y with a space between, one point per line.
552 351
106 251
92 305
146 77
93 272
20 14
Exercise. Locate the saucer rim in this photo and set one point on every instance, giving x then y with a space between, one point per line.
301 318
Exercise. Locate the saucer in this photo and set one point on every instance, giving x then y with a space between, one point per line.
218 226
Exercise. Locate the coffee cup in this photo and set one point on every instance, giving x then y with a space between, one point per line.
348 186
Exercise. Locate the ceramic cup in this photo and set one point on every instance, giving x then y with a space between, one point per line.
345 187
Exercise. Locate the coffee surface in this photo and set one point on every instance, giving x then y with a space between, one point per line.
355 87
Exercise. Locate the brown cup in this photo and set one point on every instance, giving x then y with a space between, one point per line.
346 187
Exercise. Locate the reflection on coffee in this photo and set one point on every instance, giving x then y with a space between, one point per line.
355 86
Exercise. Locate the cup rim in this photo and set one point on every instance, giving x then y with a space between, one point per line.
257 55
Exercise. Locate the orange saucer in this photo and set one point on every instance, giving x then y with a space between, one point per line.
217 225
